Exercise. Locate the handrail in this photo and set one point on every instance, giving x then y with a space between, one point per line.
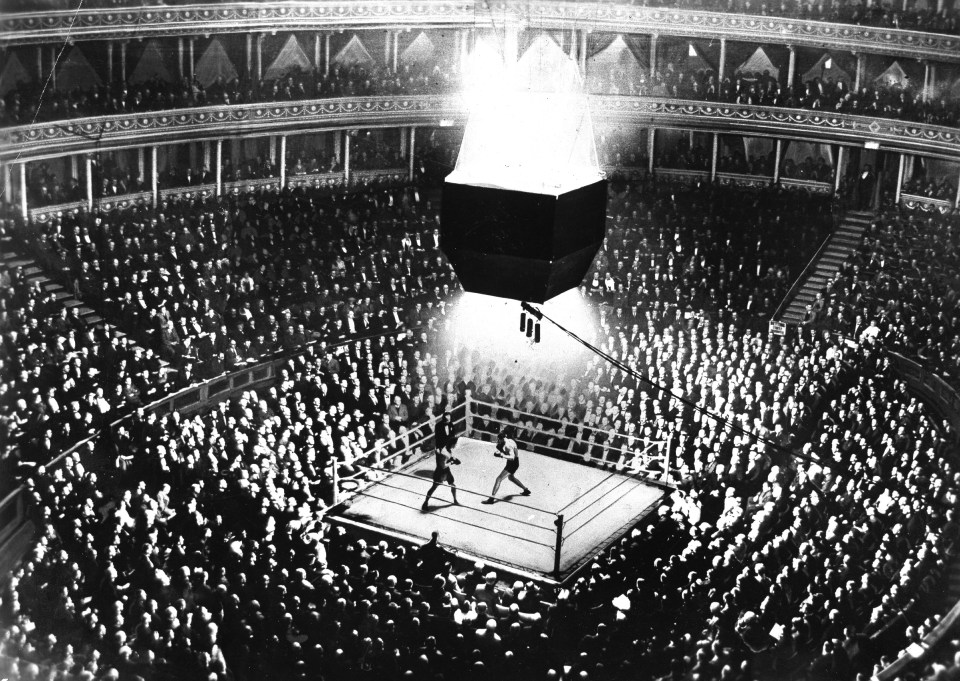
802 276
196 19
208 123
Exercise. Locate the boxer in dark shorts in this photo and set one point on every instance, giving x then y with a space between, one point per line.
507 448
444 442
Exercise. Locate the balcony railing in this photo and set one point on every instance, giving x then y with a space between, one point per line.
102 133
144 22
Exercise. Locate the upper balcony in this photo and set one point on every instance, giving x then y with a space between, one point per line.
847 27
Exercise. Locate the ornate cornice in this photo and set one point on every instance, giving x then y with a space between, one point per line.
87 135
144 22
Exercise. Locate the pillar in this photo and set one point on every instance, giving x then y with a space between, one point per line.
778 154
713 157
573 44
403 142
337 146
192 155
900 169
326 54
792 66
723 61
141 166
272 147
511 44
650 141
413 147
259 56
110 62
154 178
346 157
23 191
387 49
583 53
250 56
40 63
316 52
839 170
283 161
75 168
89 169
653 55
123 60
206 154
180 58
7 182
219 170
191 62
396 51
53 66
859 77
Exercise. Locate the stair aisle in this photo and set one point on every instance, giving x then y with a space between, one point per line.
844 240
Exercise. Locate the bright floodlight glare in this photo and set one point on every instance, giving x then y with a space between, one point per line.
490 325
529 127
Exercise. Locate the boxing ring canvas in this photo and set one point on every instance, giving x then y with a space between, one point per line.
518 532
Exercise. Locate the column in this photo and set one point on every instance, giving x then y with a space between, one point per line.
396 51
326 54
283 161
412 146
219 170
141 166
859 76
650 139
154 179
110 62
180 58
191 62
653 55
900 169
713 157
75 168
346 157
511 44
23 191
403 142
40 63
387 50
123 60
316 52
337 145
192 155
792 66
7 182
206 155
573 44
583 53
260 57
272 146
250 56
723 61
838 171
53 66
89 169
776 161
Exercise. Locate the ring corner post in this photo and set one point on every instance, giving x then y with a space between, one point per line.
556 552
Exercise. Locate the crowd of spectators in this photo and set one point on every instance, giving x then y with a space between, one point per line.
885 101
28 103
901 285
919 17
192 549
212 284
931 188
31 102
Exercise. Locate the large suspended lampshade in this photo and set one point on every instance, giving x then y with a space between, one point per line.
523 213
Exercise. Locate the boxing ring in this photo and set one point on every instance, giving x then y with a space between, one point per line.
574 512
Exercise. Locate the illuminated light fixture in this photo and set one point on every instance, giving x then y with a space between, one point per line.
524 211
691 50
828 64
